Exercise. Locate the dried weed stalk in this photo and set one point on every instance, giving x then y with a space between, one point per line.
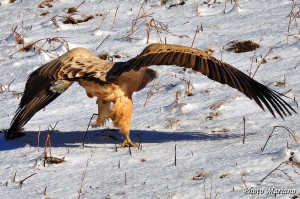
157 26
280 168
6 89
155 88
293 16
254 56
84 173
263 59
103 18
151 24
73 20
242 46
198 29
170 122
290 133
51 159
40 43
115 17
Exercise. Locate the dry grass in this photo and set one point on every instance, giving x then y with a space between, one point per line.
71 10
155 88
84 173
46 3
242 46
170 122
291 134
6 89
40 45
73 20
213 115
281 168
151 24
224 175
263 60
44 13
293 24
200 176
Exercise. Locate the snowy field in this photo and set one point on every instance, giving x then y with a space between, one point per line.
206 127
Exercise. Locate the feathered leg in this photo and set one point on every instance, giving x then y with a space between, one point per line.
121 115
103 113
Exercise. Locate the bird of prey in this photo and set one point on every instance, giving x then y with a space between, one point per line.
115 82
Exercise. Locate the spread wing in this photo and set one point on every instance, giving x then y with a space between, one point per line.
164 54
50 80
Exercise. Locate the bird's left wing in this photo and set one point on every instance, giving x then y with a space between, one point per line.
200 61
50 80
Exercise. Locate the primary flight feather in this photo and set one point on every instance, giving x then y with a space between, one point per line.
115 82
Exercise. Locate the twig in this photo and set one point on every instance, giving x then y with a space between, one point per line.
14 179
87 129
211 185
140 139
34 44
158 26
55 22
204 187
196 32
103 41
115 17
273 171
39 138
144 15
175 156
129 149
127 35
254 55
84 172
295 101
293 135
297 65
22 181
45 190
48 143
8 86
292 16
244 137
244 182
264 58
151 92
103 18
80 4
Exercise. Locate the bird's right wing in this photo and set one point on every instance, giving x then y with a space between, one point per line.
50 80
200 61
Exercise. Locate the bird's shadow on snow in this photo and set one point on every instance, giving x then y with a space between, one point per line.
107 136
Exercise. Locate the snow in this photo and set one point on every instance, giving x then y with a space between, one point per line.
211 159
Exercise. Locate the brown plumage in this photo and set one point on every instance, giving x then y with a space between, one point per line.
115 82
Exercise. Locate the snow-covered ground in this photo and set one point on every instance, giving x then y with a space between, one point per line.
211 159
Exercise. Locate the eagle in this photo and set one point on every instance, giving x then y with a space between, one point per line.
113 83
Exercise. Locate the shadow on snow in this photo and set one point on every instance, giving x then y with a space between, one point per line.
107 136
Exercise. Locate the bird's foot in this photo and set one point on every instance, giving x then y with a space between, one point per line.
128 143
98 123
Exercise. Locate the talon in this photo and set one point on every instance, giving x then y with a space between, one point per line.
99 123
127 142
